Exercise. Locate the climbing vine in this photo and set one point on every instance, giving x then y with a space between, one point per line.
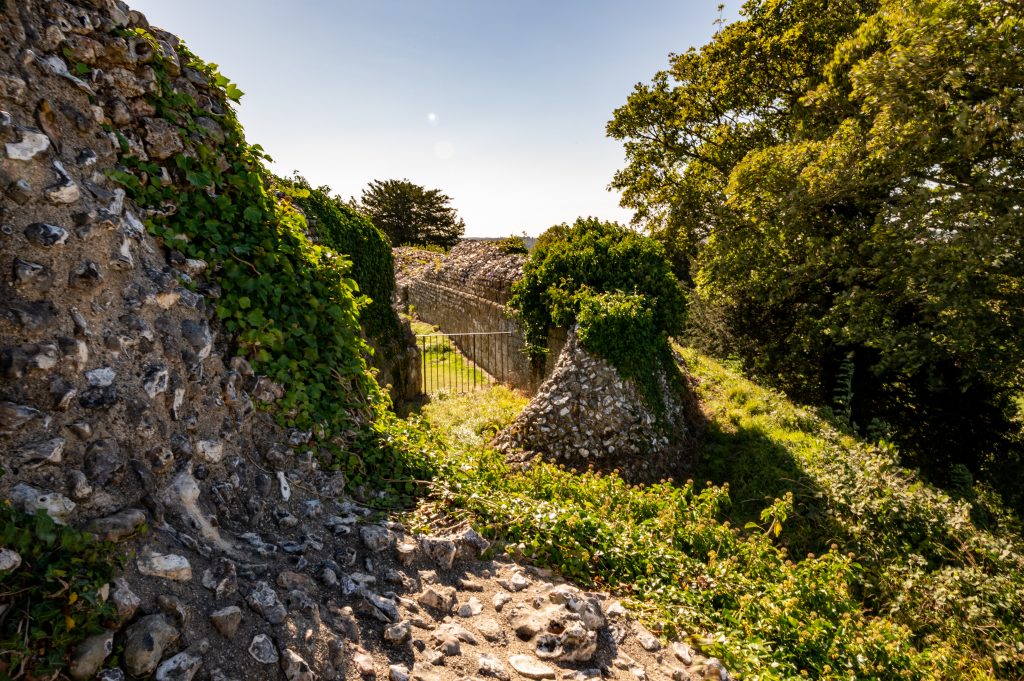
291 305
340 227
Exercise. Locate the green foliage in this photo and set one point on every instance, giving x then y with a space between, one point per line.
340 227
614 283
53 600
471 420
512 245
613 323
842 177
551 235
926 564
411 214
290 304
900 585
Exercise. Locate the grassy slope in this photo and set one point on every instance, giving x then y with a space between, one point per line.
902 584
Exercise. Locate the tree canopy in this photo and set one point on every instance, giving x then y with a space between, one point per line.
410 214
843 181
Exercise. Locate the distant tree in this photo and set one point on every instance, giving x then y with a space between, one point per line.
412 214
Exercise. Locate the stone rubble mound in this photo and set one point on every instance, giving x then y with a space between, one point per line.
586 415
122 413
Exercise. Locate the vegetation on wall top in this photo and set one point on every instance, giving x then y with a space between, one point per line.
291 305
615 284
340 227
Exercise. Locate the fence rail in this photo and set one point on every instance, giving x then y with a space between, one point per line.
463 362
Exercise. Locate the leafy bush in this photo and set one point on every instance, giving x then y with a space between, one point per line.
53 600
860 195
290 304
340 227
512 244
613 322
608 279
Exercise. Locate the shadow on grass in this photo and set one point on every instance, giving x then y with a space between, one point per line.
759 470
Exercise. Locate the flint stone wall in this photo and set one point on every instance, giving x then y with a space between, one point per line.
585 414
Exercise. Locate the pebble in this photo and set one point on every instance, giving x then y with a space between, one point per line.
124 599
398 634
407 552
398 672
118 526
181 667
90 654
488 665
262 650
263 599
285 487
364 665
165 566
29 499
100 378
438 597
376 538
45 234
441 551
471 608
40 453
648 641
500 599
145 643
10 560
226 620
32 144
531 667
14 416
294 667
683 653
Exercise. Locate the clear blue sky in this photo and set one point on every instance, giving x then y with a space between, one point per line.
500 104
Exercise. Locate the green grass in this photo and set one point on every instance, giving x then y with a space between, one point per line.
807 554
445 369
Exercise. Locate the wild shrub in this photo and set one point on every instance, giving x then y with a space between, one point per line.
615 284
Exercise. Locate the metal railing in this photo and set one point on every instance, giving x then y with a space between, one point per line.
459 363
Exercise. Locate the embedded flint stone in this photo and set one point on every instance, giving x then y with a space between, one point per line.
14 416
45 234
40 453
31 499
32 144
165 566
118 526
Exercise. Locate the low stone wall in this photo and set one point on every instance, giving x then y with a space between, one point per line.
466 292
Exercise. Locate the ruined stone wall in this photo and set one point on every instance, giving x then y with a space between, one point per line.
123 413
466 291
586 415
